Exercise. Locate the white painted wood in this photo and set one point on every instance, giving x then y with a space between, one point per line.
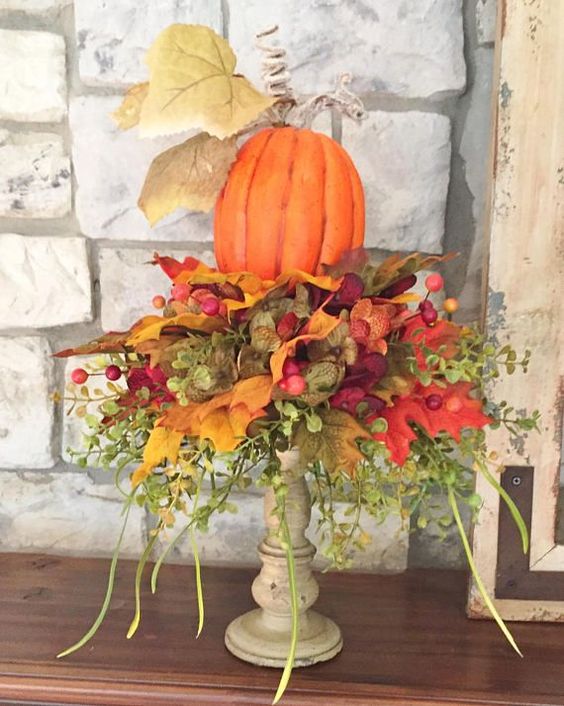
524 302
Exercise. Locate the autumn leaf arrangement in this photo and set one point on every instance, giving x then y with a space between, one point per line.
293 342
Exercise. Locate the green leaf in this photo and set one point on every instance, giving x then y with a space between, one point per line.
138 575
109 590
293 588
199 589
164 555
477 578
513 509
314 422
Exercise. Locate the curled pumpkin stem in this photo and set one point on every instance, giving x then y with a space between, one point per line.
288 109
274 72
342 99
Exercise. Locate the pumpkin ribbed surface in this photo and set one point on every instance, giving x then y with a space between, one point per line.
293 199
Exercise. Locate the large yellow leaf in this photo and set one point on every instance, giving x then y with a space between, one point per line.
163 445
189 175
128 113
255 393
193 85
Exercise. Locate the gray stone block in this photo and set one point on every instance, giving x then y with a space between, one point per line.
404 163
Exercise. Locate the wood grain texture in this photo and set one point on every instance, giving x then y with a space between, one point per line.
525 303
407 642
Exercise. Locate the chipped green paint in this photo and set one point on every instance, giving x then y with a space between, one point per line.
495 320
505 94
518 443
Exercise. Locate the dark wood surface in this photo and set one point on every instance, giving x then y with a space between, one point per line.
407 641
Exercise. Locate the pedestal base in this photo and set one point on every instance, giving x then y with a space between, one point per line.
251 638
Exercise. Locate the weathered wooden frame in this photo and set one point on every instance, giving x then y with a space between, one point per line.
524 299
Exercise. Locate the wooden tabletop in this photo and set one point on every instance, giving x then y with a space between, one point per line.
407 641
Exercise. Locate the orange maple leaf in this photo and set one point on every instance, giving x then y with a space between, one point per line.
225 418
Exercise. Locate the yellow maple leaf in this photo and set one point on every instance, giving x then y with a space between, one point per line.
335 444
128 113
193 85
163 445
189 175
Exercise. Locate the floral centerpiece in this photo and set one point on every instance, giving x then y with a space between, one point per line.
297 342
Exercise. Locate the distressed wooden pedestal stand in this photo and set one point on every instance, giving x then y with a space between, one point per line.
262 636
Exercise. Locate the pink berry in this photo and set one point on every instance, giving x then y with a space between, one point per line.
210 306
180 292
295 384
159 302
290 367
283 384
434 402
79 376
113 372
429 316
434 282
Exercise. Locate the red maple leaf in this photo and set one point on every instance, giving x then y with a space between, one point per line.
442 334
458 411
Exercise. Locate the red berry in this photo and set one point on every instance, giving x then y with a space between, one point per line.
210 306
434 282
79 376
181 292
290 367
429 315
434 402
113 372
454 404
159 302
295 384
450 305
426 304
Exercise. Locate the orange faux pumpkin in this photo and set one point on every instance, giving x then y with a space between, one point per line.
293 199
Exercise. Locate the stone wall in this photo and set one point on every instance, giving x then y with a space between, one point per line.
73 244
